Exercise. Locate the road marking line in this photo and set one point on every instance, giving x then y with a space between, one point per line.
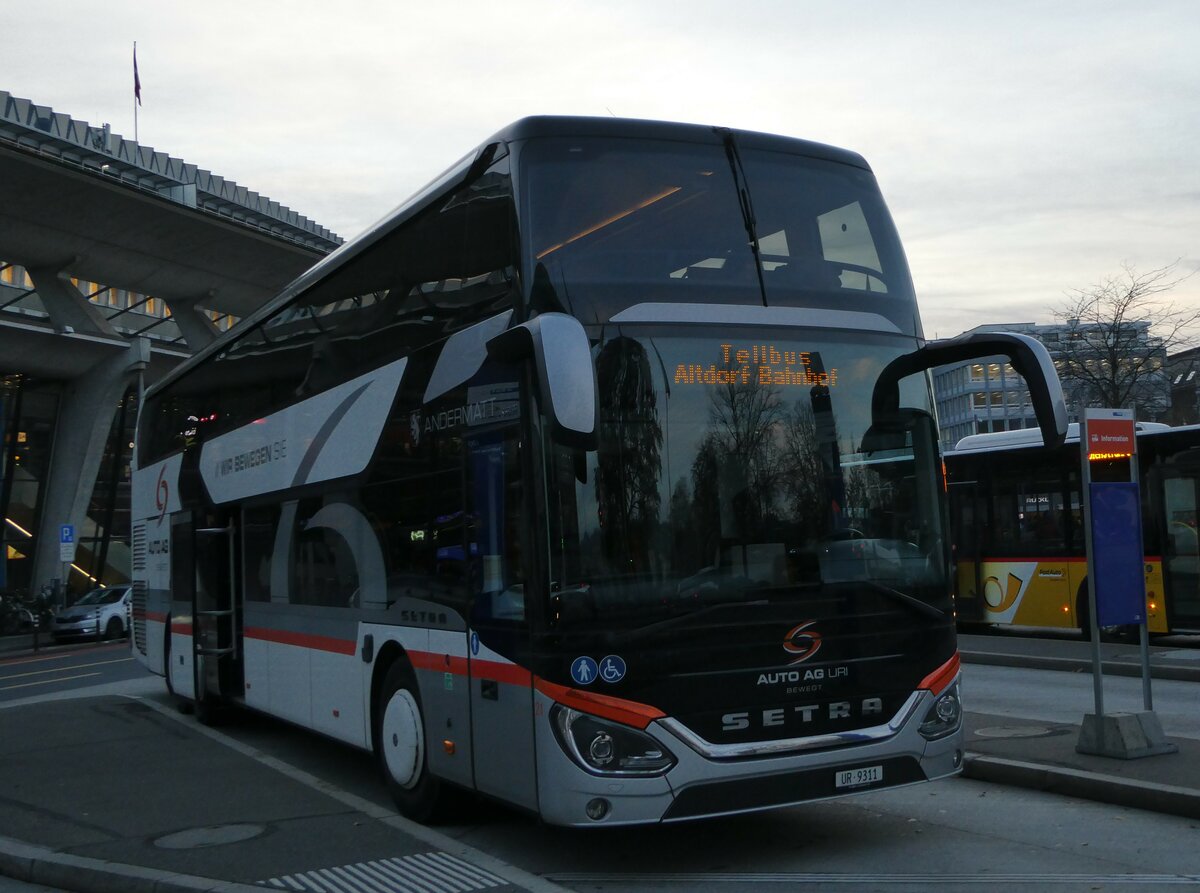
992 881
477 859
98 663
59 656
420 873
48 681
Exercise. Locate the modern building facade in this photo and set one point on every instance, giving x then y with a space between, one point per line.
988 395
116 263
1183 369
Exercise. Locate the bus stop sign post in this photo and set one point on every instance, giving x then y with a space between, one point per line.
1112 522
66 552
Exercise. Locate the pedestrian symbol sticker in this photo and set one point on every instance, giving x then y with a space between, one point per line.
612 669
583 670
474 643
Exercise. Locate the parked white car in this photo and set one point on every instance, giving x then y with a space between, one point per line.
103 613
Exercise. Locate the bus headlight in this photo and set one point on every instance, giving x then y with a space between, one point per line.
944 716
607 748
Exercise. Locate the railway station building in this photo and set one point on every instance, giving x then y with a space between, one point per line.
117 262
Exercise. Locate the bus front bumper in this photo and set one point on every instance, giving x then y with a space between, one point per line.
700 786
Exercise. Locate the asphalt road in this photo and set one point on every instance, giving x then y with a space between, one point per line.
65 669
950 835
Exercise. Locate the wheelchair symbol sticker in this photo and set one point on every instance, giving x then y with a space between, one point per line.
612 669
583 670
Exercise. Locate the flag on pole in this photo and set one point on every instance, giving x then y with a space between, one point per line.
137 82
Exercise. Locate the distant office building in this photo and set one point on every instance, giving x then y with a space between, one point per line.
1183 369
979 396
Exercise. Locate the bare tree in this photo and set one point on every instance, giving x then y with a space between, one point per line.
1118 335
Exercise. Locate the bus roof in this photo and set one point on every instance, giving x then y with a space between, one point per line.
1031 437
541 126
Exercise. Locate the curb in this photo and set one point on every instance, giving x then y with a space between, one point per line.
1109 789
38 865
1076 665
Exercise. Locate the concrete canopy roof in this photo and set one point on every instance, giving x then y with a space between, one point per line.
80 199
99 229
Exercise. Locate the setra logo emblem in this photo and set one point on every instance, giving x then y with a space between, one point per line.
802 642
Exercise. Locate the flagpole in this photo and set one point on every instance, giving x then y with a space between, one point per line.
136 97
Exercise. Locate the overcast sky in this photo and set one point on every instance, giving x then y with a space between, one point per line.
1025 148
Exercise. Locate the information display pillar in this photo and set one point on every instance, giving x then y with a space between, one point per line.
1112 523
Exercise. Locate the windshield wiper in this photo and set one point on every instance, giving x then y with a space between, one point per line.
653 629
739 183
896 595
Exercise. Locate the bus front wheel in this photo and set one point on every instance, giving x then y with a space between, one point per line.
400 746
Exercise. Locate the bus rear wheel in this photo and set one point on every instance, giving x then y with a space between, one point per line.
400 746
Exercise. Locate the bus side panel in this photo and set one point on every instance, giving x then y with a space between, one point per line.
289 674
1005 585
149 605
1047 598
1156 613
1156 609
438 659
302 664
970 607
181 670
256 658
155 495
155 626
502 715
337 709
445 694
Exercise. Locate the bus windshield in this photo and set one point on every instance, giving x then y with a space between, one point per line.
618 221
739 470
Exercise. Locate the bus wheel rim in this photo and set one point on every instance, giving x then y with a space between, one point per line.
403 739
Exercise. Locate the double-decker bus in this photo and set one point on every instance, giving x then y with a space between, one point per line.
600 477
1017 525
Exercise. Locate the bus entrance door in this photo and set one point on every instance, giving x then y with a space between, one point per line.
217 653
968 554
1181 544
501 691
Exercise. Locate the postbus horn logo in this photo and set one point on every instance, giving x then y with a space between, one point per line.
161 494
802 641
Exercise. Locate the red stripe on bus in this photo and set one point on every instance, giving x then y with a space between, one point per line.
156 616
302 640
509 674
630 713
939 680
443 663
180 627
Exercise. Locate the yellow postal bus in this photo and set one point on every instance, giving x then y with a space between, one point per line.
1017 524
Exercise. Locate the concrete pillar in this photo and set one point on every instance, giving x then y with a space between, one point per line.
69 308
194 324
85 418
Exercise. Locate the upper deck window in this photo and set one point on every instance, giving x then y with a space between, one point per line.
613 222
444 269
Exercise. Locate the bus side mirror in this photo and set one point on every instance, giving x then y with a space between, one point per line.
1028 356
562 355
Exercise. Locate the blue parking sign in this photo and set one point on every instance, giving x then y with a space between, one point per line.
66 533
